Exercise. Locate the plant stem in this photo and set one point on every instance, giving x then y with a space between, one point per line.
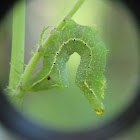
17 51
71 13
30 67
34 60
62 23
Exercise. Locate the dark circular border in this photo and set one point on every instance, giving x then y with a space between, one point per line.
27 129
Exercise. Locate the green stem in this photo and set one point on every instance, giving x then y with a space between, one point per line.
34 60
30 67
70 14
62 23
17 50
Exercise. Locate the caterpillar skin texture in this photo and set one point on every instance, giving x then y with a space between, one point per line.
90 79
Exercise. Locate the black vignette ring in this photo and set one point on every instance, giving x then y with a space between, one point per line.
32 131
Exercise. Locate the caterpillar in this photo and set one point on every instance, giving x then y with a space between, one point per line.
90 74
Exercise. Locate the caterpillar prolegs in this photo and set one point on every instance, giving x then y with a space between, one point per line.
90 79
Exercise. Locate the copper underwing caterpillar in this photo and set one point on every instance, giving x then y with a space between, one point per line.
90 74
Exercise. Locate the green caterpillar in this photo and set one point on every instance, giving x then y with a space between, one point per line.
90 79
